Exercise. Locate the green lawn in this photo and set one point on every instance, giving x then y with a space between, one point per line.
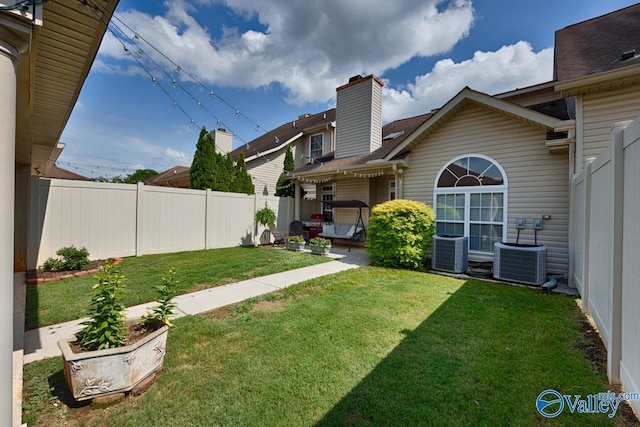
366 347
55 302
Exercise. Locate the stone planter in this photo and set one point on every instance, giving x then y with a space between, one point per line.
115 370
295 246
320 250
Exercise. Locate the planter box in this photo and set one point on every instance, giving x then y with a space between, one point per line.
115 370
295 246
320 250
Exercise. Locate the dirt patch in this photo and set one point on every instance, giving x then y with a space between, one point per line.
134 334
40 276
276 305
593 348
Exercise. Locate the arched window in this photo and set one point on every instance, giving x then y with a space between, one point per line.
470 198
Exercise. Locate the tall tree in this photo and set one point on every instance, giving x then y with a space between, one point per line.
284 186
244 182
203 171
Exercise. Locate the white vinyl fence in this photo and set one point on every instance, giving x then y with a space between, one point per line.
605 243
118 220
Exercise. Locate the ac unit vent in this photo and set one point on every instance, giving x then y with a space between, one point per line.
520 263
450 254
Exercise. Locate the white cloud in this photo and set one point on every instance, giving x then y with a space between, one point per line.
308 47
177 158
506 69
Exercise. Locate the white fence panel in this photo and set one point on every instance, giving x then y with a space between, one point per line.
630 361
99 216
230 219
171 219
601 243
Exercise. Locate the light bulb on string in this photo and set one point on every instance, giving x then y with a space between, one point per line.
154 81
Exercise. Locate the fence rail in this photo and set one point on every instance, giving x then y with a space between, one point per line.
118 220
604 243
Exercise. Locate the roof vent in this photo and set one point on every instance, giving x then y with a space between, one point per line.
355 78
627 54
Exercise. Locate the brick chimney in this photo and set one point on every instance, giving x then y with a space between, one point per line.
359 116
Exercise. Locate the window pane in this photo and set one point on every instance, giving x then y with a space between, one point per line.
475 200
460 200
487 199
447 179
474 214
497 215
492 177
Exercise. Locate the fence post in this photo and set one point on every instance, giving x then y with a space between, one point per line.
254 227
587 238
614 352
207 225
139 219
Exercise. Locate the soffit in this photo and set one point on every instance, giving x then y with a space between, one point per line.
51 75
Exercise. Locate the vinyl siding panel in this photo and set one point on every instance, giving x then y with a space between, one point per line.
267 169
538 182
352 189
600 111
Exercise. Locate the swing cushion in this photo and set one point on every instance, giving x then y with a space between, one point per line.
339 231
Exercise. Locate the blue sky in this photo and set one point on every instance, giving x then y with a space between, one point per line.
267 62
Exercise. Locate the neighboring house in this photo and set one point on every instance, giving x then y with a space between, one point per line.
177 176
482 161
310 137
60 173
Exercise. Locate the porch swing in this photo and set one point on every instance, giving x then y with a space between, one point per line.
345 231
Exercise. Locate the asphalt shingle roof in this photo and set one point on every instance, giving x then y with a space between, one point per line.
595 46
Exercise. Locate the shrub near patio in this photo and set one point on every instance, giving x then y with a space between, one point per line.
400 233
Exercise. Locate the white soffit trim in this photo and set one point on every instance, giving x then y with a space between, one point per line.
273 150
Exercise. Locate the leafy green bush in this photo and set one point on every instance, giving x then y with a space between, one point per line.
159 315
320 241
265 216
400 233
106 326
296 239
69 258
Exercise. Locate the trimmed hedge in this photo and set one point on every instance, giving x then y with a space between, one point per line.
400 234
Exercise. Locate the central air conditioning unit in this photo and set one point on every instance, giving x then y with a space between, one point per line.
450 254
520 263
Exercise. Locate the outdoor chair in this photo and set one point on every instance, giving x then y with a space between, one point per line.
296 229
278 236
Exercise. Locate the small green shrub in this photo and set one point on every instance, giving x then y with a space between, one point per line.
106 326
295 239
69 258
320 241
400 234
52 264
159 315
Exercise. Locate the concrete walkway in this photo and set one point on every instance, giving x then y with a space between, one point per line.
42 343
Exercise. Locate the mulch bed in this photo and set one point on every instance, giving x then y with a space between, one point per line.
41 276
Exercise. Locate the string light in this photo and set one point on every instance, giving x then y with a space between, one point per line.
178 69
137 38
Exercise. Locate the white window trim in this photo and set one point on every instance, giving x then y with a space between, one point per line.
322 150
476 189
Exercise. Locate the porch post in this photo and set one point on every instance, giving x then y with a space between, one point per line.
11 46
298 196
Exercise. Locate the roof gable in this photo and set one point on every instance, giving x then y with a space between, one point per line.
284 135
466 97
